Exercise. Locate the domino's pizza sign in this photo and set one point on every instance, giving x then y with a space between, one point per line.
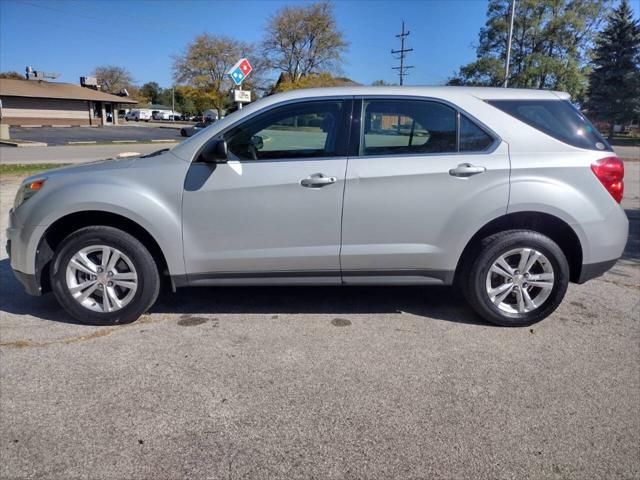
240 71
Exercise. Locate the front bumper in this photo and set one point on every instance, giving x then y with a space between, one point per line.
30 283
25 254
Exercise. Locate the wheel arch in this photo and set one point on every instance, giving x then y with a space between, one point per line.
62 227
553 227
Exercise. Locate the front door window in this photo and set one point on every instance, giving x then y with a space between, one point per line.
307 130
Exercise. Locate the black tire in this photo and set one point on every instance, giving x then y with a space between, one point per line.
182 132
490 249
148 276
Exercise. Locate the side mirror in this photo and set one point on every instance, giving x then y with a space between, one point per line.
215 152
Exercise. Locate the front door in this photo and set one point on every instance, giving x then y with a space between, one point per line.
272 214
424 179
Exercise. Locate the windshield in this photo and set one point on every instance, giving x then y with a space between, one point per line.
557 118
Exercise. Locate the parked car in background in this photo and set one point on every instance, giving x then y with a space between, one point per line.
138 114
165 115
210 115
508 194
189 131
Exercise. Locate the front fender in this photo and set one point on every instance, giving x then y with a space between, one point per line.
154 204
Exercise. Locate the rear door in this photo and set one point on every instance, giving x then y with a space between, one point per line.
422 179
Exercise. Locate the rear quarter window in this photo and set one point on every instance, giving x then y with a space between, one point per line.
558 119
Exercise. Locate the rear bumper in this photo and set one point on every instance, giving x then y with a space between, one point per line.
593 270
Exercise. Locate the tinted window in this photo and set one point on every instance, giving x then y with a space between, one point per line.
557 118
472 137
406 127
294 131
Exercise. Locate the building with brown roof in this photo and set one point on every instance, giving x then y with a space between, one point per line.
36 102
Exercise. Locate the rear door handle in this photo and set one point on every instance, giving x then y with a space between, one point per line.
466 170
317 180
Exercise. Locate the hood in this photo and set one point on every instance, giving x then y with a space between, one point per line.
99 165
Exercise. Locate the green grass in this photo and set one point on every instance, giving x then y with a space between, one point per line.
28 169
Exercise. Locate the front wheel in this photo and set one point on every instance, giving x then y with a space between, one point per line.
103 276
518 277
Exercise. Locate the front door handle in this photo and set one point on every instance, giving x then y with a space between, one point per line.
466 170
317 180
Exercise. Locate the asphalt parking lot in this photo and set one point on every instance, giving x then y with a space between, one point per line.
63 135
331 383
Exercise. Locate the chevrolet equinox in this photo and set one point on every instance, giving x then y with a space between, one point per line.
509 194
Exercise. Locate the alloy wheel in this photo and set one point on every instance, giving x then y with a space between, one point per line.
520 281
101 278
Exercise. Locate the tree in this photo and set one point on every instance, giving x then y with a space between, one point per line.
614 82
380 83
113 79
205 64
152 91
12 75
285 83
304 40
551 41
196 100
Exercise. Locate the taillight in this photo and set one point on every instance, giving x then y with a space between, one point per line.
610 172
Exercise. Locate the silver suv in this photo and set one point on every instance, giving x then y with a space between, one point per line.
509 194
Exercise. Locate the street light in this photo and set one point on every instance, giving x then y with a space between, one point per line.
510 35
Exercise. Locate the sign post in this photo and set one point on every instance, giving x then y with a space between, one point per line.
238 73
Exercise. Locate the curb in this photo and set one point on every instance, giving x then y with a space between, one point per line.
21 143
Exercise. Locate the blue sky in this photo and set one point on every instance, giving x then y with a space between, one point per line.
72 37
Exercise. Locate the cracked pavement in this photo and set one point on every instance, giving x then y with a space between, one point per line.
332 383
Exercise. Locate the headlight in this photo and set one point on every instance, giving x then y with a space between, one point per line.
28 190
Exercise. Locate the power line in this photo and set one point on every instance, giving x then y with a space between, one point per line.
402 69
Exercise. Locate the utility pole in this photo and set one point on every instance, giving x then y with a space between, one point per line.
402 69
510 36
173 103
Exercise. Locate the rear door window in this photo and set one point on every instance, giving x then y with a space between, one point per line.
407 127
558 119
472 137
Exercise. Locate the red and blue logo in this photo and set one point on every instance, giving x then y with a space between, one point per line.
240 71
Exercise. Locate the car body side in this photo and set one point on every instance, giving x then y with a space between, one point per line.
545 176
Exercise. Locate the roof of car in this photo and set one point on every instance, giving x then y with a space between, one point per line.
483 93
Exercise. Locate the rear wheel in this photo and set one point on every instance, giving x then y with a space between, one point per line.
518 277
104 276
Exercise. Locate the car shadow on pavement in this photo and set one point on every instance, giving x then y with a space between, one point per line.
441 303
632 250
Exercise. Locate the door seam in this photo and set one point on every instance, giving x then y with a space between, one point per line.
344 187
